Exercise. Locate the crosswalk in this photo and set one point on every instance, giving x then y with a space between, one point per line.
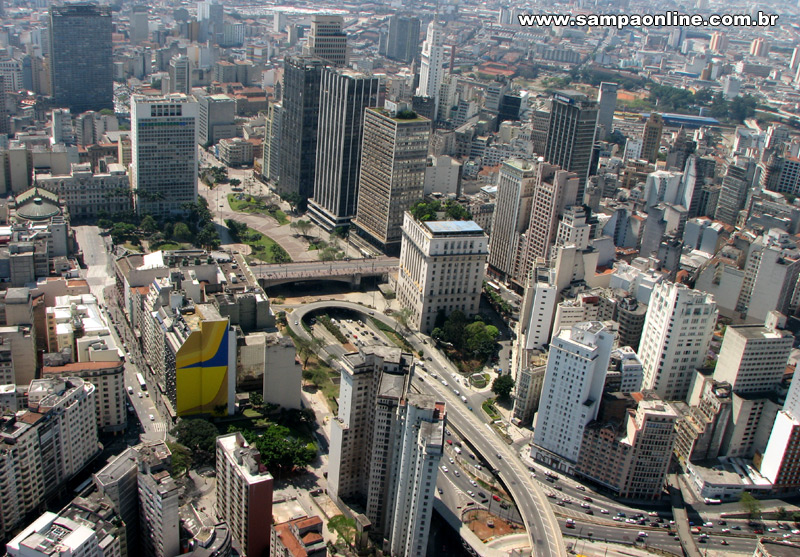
159 426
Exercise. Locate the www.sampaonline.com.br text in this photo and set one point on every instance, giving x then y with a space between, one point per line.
667 19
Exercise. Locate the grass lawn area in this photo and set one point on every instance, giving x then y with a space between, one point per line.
393 336
488 407
250 413
262 246
166 246
128 245
254 205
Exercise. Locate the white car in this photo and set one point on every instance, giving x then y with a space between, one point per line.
603 511
452 461
474 483
139 394
456 473
445 470
152 418
470 493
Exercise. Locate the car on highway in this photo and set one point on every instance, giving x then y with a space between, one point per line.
441 491
139 394
470 493
445 470
474 483
452 461
589 511
569 523
456 473
496 497
130 390
585 506
152 418
724 542
580 488
481 494
587 499
603 511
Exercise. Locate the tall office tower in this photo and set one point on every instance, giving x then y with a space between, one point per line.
733 195
607 103
159 499
759 47
573 387
61 130
432 65
210 17
419 449
298 150
779 463
140 24
651 137
81 58
5 124
556 190
271 164
458 250
163 152
393 162
244 493
753 358
343 97
118 480
677 331
634 462
216 115
403 41
515 186
180 75
570 135
719 42
770 276
327 40
794 63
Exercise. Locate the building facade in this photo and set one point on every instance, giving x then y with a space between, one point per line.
571 133
393 163
164 153
441 269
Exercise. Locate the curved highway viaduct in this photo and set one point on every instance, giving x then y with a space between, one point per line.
540 521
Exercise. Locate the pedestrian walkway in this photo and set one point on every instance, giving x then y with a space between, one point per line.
159 426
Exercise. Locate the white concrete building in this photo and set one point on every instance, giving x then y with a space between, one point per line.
419 449
442 175
441 269
432 64
573 386
244 493
52 535
753 358
677 332
164 152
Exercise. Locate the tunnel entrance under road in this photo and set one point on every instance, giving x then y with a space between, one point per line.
321 288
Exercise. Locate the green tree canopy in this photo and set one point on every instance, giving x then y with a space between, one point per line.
181 232
502 386
750 505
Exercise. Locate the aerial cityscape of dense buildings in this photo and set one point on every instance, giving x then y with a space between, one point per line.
412 278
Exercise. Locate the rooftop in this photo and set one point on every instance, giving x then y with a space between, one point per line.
453 227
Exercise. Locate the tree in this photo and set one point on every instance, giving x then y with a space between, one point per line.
149 224
502 386
279 255
402 317
235 182
279 451
256 400
181 457
208 237
238 230
345 528
105 223
437 334
294 199
181 232
750 505
302 226
199 436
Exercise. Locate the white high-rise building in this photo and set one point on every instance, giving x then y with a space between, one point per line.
61 130
432 61
675 339
515 187
163 152
442 265
573 386
753 358
419 449
180 75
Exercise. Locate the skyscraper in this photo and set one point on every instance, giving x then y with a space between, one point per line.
81 57
572 390
607 101
271 164
432 62
515 187
403 41
344 96
327 40
571 133
651 137
298 149
457 250
140 30
677 332
753 358
163 152
733 195
393 162
244 493
180 75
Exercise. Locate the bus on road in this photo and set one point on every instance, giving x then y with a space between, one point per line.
140 379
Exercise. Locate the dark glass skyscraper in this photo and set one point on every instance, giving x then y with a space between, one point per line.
298 148
570 136
81 61
403 43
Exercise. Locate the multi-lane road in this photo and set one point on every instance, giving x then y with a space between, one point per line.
541 524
